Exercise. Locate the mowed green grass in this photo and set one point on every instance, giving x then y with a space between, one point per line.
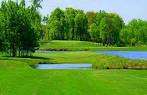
18 78
82 46
69 45
73 82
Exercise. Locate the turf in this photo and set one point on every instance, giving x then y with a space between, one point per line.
83 46
73 82
18 78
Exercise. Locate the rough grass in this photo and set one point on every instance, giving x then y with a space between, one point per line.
82 46
99 61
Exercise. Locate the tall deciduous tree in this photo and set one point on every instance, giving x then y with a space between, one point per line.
134 33
81 26
91 17
94 33
20 27
56 24
110 27
70 14
36 4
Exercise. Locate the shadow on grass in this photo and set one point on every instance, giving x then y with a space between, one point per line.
31 57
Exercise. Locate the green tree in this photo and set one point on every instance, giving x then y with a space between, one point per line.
70 14
36 4
94 33
3 43
81 26
19 28
22 2
56 24
134 33
91 17
110 26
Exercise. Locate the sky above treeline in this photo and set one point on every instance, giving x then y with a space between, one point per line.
127 9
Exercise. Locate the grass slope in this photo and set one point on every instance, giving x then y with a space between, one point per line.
81 45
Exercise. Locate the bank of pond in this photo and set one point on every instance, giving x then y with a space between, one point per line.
119 60
126 54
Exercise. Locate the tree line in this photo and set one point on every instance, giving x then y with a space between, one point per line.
20 27
102 27
70 24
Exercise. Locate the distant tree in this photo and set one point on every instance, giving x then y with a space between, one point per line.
110 26
45 33
91 17
92 27
22 2
134 33
70 14
124 36
56 24
81 26
3 41
105 31
36 4
94 20
117 25
94 33
45 20
99 16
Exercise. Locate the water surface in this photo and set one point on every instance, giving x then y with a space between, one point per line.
46 51
127 54
63 66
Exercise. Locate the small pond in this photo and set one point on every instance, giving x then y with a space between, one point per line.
62 66
127 54
46 51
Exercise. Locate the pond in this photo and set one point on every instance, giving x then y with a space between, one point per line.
62 66
46 51
127 54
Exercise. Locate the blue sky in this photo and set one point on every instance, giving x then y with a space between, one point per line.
128 9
